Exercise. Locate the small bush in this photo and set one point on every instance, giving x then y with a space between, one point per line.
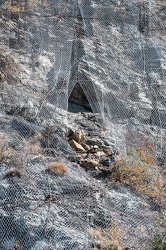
6 153
140 172
108 240
58 168
117 234
140 169
147 155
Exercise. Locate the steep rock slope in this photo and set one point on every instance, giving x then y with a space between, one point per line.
113 50
49 201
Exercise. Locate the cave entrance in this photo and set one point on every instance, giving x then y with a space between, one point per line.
78 101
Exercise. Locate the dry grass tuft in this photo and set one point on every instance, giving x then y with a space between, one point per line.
9 67
108 240
21 7
139 169
140 172
58 168
6 153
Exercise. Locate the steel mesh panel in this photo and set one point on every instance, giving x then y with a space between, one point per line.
115 50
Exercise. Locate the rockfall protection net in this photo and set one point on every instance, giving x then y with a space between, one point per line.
109 57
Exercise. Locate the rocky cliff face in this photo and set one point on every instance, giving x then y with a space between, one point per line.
91 66
114 51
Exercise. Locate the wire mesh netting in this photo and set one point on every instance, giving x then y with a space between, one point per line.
82 124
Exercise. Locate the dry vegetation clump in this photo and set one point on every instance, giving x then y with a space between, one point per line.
9 68
108 240
117 234
58 168
139 169
10 157
2 152
8 154
21 7
141 172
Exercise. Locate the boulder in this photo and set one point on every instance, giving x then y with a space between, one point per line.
77 136
76 146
